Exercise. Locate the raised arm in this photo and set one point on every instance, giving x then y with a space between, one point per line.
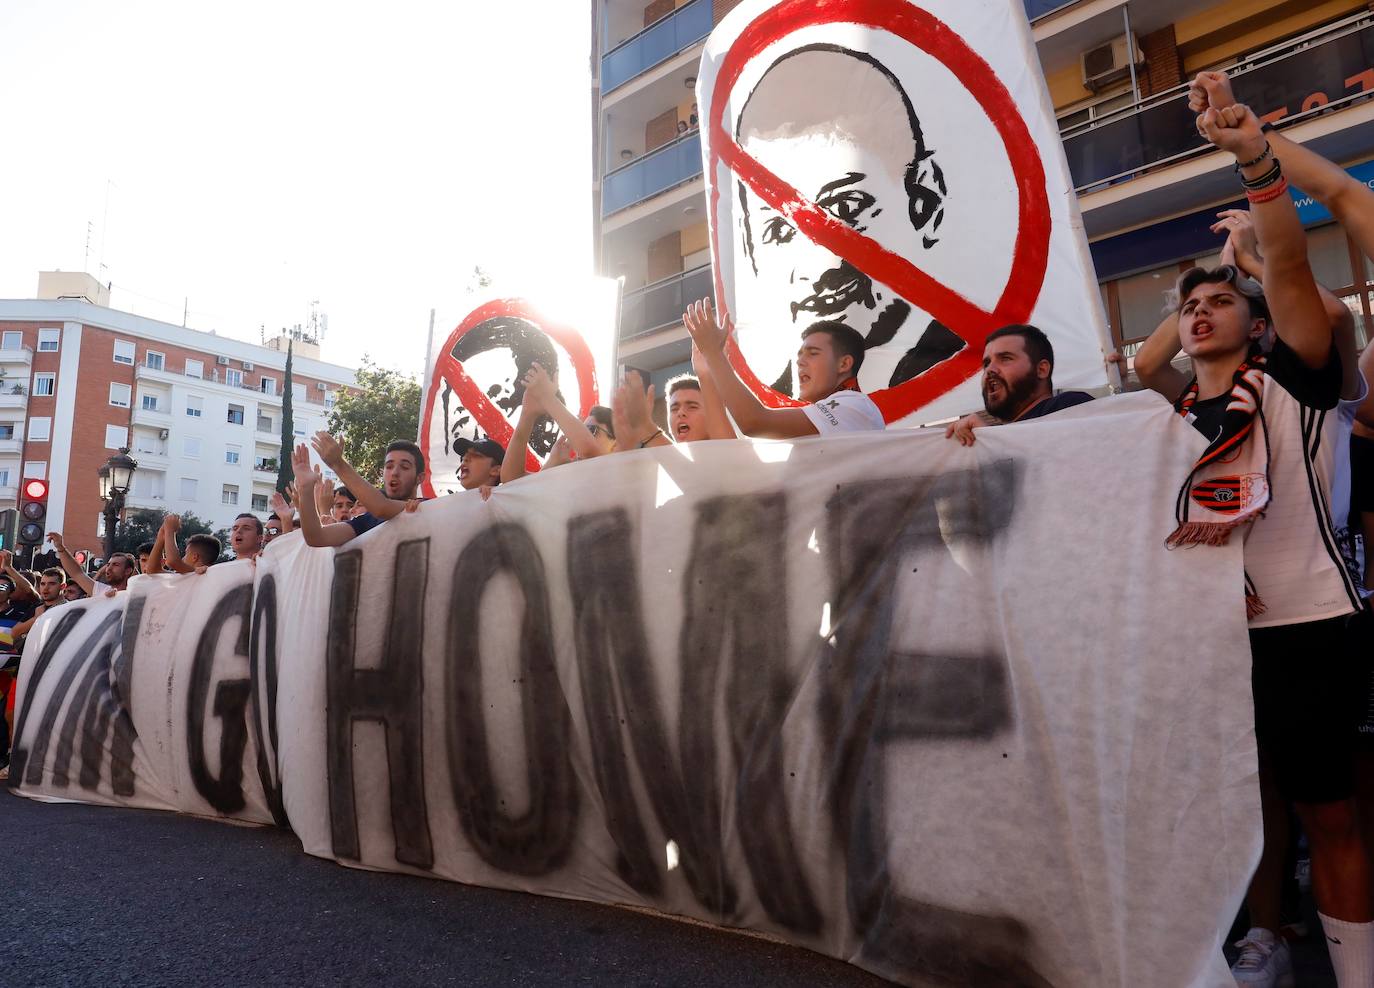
377 503
1299 317
545 394
717 419
750 414
20 581
24 627
513 465
315 533
281 508
69 564
171 525
1350 202
634 423
1365 413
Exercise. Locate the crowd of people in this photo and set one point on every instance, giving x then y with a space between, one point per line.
1276 388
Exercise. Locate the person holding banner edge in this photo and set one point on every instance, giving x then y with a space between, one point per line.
1259 410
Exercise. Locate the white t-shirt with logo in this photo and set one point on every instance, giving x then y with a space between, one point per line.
845 411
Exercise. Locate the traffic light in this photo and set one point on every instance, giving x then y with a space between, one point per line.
33 510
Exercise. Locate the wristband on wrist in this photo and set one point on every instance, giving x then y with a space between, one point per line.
1271 176
1268 194
1266 153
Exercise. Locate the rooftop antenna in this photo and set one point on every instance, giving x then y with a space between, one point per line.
104 223
86 263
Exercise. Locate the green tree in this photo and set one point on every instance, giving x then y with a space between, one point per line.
141 526
288 429
385 406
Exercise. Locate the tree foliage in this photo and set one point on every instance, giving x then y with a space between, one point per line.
384 407
141 525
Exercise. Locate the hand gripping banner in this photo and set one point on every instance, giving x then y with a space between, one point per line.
894 166
955 715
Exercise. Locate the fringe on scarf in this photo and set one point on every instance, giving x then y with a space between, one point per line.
1254 606
1191 533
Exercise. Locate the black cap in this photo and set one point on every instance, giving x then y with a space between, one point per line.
489 448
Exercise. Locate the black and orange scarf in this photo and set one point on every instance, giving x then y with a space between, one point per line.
1229 484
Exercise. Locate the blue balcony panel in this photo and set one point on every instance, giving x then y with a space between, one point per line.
662 303
658 171
657 43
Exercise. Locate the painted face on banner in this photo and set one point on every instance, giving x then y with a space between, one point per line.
859 153
496 354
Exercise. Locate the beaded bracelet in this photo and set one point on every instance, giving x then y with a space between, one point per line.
1267 152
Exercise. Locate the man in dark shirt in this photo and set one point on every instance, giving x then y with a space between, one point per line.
402 471
1018 382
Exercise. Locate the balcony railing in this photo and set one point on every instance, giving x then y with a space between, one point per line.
16 355
657 43
662 303
648 175
1304 76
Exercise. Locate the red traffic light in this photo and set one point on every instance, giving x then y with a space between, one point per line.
35 490
81 556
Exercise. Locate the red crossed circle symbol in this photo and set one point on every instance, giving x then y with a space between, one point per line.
1030 254
449 370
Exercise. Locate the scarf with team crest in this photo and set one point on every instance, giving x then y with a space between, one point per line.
1229 484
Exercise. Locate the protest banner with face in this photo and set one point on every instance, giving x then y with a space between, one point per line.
856 693
473 387
894 166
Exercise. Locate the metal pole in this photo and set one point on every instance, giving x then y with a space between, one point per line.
112 507
1130 51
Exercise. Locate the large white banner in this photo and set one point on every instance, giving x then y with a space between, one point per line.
894 165
953 715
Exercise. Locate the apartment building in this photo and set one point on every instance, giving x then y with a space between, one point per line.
1117 73
201 414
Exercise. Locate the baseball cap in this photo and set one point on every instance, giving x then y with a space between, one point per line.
6 585
489 448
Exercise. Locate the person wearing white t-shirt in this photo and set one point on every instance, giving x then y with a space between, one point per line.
828 363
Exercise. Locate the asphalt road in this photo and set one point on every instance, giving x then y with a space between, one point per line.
92 895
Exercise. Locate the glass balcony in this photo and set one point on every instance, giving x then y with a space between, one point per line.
657 43
662 303
658 171
1039 8
1317 72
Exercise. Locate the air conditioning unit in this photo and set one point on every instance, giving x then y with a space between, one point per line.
247 365
222 361
162 433
1110 63
321 386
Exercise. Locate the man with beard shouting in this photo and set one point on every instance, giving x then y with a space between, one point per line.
1018 372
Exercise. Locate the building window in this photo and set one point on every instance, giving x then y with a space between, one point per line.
298 392
195 368
264 423
190 446
235 416
40 429
259 501
116 437
188 488
231 455
268 386
124 352
150 403
121 395
329 399
194 405
35 469
230 494
153 360
47 340
5 477
6 430
233 378
44 385
12 339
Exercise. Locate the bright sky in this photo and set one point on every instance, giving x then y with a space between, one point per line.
259 156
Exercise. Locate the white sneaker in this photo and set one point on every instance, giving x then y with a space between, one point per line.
1264 961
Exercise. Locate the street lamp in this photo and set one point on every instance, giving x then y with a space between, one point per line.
116 475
